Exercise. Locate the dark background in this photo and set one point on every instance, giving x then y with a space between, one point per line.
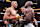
21 3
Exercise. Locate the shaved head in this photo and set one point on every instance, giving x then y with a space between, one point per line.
14 2
28 3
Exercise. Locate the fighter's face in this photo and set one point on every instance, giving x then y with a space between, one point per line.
15 4
23 9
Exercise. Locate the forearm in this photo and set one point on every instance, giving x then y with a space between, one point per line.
9 18
6 18
5 22
35 21
12 17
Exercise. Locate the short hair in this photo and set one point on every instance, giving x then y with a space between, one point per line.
29 3
13 1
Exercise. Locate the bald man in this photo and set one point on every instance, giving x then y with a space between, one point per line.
10 12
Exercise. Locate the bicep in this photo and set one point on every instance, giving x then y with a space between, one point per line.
6 14
32 11
4 17
33 14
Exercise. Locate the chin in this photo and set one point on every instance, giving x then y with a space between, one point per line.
15 7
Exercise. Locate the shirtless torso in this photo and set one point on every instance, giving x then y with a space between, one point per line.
10 12
29 14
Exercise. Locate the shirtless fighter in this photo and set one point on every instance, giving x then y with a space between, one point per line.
29 15
10 12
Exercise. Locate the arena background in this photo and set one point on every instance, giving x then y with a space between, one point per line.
4 4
